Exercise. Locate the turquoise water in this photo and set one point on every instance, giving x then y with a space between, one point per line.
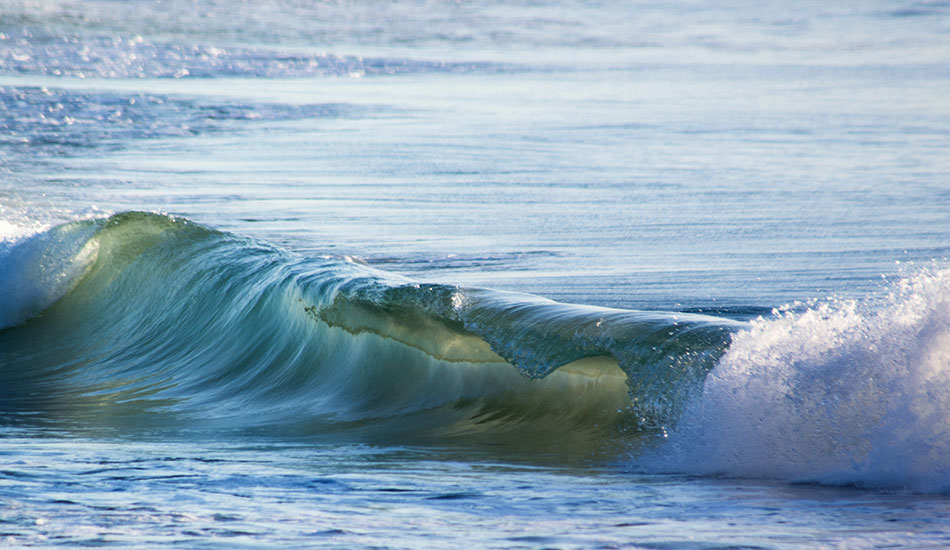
421 275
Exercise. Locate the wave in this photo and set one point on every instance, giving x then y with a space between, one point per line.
143 318
141 321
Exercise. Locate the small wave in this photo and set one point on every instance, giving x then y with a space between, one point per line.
40 52
56 122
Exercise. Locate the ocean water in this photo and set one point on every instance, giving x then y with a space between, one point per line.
474 274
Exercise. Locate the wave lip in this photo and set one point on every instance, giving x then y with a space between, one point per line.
664 356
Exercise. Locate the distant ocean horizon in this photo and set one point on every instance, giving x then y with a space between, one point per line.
499 275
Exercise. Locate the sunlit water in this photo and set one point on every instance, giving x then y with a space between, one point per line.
720 159
252 493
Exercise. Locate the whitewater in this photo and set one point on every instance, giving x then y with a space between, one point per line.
492 275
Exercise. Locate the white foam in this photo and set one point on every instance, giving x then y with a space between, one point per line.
39 268
12 232
844 392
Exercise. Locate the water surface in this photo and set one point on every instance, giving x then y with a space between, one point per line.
502 275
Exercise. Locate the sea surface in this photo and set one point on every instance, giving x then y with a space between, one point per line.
435 274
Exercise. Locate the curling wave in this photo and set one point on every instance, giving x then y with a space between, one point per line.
143 318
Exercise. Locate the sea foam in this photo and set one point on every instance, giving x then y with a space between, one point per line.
844 392
37 269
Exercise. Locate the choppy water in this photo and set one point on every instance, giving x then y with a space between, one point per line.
486 274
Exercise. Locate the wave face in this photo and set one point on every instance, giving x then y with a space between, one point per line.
149 320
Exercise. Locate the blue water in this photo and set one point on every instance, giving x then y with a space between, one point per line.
502 275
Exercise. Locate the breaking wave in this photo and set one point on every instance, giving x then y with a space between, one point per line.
144 318
149 321
841 392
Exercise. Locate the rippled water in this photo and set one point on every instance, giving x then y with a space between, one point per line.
260 493
298 346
